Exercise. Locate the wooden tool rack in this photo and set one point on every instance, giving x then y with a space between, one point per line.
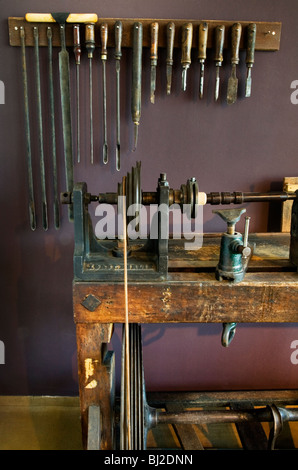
189 294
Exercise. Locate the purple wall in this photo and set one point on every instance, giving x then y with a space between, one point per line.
249 146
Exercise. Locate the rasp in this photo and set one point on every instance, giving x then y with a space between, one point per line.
32 215
118 54
187 30
153 56
137 50
250 55
219 42
233 80
169 60
202 53
104 56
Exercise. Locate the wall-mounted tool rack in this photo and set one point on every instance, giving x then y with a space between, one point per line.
267 38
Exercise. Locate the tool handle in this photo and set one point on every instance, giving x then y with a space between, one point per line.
202 41
170 42
219 42
236 35
76 43
186 43
137 71
154 41
251 42
90 39
69 17
118 39
104 40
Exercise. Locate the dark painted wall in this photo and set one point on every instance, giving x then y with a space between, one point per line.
250 146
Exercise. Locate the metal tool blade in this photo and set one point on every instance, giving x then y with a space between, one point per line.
201 80
66 115
104 86
153 83
217 83
118 115
77 54
53 132
32 215
40 131
248 83
90 46
232 86
136 96
169 79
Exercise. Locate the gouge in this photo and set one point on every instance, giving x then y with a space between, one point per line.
187 30
250 55
62 19
118 55
169 60
137 50
53 132
40 131
77 53
219 42
104 56
202 53
32 215
90 46
233 80
153 56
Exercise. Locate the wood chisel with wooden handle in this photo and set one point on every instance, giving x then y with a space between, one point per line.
187 30
219 43
233 80
153 58
62 19
104 56
169 60
250 55
118 55
202 53
137 50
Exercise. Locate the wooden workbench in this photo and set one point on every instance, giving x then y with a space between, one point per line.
189 294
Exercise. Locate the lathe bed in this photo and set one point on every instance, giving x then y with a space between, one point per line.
189 294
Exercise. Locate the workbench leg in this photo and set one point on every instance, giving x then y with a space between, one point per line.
96 369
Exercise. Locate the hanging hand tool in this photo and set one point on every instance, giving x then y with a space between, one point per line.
104 56
233 80
202 53
40 131
169 61
62 19
137 50
32 215
77 53
90 46
52 122
250 55
118 54
187 30
219 42
153 56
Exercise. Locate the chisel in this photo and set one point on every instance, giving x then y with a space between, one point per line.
104 56
32 215
202 53
62 19
169 60
250 55
219 42
233 80
53 132
40 131
77 54
153 56
118 54
90 46
187 30
137 49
